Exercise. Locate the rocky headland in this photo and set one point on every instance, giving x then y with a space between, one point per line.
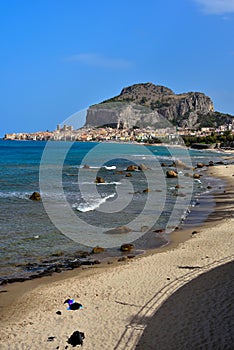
146 104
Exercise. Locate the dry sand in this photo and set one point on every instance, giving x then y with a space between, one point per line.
139 304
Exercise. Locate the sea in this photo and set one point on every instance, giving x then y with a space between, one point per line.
76 214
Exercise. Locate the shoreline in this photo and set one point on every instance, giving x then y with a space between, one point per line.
164 240
115 284
212 148
71 262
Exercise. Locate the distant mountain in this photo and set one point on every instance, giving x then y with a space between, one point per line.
146 104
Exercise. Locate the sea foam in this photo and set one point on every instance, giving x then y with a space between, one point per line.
92 205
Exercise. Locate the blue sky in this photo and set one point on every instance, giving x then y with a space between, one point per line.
60 56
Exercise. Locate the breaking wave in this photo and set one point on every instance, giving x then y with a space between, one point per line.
20 195
94 204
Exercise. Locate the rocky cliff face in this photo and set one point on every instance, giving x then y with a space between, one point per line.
147 104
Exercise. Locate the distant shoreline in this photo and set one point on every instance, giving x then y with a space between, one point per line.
218 150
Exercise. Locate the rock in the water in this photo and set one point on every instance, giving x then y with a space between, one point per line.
171 174
146 190
182 165
163 165
86 166
178 186
211 163
142 167
128 175
160 230
97 250
119 230
131 168
196 176
188 175
200 165
126 247
35 196
99 180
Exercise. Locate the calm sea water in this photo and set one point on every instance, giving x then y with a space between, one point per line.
33 236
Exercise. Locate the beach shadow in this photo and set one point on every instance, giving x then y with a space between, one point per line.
199 315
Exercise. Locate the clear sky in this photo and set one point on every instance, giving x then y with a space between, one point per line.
60 56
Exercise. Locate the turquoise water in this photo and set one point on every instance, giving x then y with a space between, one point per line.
75 212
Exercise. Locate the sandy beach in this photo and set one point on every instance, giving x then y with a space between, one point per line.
180 297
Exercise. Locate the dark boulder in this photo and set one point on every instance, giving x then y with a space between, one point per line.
35 196
132 168
99 180
97 250
126 247
146 190
200 165
178 186
171 174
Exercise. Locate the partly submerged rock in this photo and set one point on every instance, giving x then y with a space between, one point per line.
132 168
171 174
99 180
97 250
35 196
188 174
200 165
182 165
119 230
126 247
142 167
146 190
178 186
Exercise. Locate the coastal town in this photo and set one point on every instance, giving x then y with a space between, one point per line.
150 135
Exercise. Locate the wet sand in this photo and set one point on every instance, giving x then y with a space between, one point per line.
124 303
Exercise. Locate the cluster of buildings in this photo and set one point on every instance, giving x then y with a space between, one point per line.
85 134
